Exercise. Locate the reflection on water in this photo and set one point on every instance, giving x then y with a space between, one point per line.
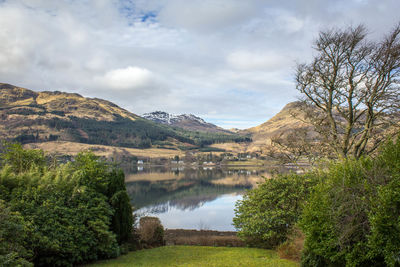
192 198
212 215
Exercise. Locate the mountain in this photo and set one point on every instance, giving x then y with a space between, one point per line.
289 127
185 121
288 120
27 116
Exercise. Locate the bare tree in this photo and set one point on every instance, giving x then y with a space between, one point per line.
298 144
351 89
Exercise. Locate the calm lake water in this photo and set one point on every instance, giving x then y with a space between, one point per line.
192 198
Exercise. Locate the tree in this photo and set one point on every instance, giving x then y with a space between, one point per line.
267 213
293 145
351 89
352 215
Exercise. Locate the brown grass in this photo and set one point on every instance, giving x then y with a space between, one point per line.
202 238
282 122
232 147
73 148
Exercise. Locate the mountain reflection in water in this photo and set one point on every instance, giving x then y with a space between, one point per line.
185 197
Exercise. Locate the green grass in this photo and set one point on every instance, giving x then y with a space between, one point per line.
199 256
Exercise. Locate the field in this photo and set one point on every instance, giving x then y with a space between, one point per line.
198 256
73 148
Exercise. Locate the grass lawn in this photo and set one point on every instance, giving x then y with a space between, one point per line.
198 256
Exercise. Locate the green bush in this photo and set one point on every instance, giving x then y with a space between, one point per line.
266 214
21 160
72 213
109 181
12 236
353 216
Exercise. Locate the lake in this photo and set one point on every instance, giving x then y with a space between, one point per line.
192 198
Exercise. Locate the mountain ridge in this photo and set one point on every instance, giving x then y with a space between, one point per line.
185 121
27 116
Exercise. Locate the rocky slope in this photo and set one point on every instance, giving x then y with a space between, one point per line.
186 121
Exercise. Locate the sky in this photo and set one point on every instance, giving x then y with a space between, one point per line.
230 62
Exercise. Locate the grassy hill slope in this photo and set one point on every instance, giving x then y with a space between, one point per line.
286 121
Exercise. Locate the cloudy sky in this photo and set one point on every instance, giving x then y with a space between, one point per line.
230 62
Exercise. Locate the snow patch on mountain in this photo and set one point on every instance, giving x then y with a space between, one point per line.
171 119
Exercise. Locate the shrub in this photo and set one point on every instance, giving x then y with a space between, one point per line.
267 213
12 235
133 241
110 182
21 160
151 232
71 213
352 217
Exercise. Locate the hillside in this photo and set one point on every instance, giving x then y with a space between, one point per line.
287 121
185 121
284 123
27 116
289 127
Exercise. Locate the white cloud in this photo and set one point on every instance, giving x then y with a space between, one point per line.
291 23
229 60
126 78
16 47
246 60
207 15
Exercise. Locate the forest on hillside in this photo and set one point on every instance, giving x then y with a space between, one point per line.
123 132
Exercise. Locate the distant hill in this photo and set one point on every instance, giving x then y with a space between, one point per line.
288 120
290 124
27 116
185 121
